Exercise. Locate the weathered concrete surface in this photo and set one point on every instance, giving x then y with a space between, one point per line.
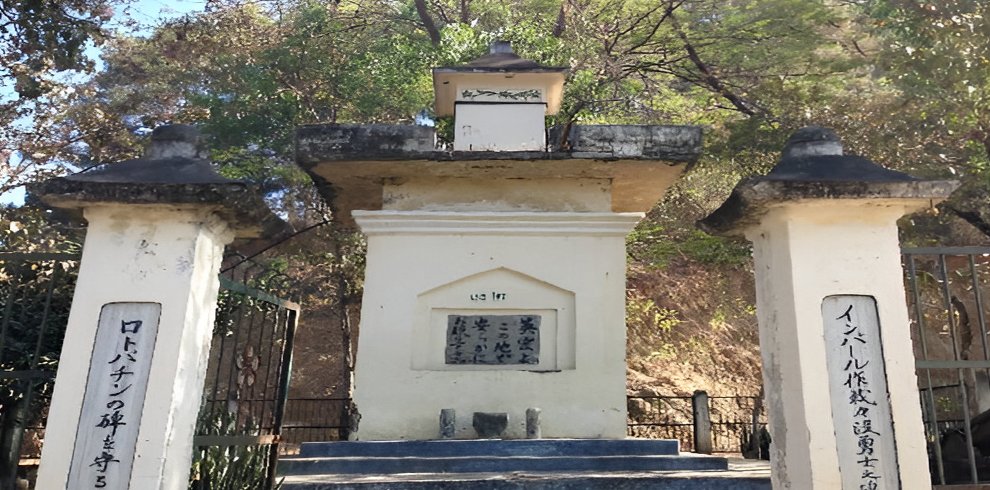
480 447
813 167
676 143
171 174
741 475
351 164
753 198
320 142
495 464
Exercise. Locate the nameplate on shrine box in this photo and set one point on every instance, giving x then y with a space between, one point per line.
114 397
864 429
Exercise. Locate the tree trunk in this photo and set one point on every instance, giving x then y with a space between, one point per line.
428 24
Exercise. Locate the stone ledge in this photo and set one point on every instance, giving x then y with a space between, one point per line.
496 223
752 198
379 142
244 211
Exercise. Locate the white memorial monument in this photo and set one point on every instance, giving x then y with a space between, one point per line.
495 278
841 391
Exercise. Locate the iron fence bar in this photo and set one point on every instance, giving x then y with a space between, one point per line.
272 340
220 355
234 440
242 288
44 317
955 364
31 374
285 376
38 256
939 387
241 306
7 311
967 430
279 329
946 251
920 319
978 295
236 371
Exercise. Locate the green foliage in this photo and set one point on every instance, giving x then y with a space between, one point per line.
649 327
228 467
658 246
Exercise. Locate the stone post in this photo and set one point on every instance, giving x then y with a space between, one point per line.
838 369
132 368
702 422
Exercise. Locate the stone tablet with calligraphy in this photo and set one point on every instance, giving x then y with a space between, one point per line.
864 430
114 399
493 339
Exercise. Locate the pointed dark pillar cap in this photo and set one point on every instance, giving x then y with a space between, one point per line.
171 173
813 166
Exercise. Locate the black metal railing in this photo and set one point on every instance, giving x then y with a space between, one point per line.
35 296
702 423
946 291
314 419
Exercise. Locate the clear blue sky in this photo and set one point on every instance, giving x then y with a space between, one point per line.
147 13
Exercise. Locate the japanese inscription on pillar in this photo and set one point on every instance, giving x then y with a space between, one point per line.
858 386
493 339
114 397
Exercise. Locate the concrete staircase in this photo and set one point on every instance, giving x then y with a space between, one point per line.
558 464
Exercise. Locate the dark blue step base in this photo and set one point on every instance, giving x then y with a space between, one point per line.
499 464
536 481
475 447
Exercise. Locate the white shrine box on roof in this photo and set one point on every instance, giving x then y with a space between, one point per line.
499 101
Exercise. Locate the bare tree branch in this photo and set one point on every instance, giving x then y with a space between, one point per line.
428 24
708 75
561 24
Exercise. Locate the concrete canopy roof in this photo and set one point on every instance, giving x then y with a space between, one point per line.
351 164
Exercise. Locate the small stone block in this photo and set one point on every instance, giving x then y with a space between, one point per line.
533 423
447 417
490 424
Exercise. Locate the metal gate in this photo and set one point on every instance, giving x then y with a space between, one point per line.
35 296
947 288
247 383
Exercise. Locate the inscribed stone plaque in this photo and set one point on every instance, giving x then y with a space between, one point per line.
864 430
114 397
493 339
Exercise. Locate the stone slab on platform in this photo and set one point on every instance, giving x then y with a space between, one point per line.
496 464
478 447
741 475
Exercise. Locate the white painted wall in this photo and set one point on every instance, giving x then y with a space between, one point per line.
418 261
154 254
499 127
805 251
497 194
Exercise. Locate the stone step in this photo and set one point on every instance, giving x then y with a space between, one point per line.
491 447
494 464
736 479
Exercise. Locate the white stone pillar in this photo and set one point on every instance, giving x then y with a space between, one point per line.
838 365
804 253
143 256
137 343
